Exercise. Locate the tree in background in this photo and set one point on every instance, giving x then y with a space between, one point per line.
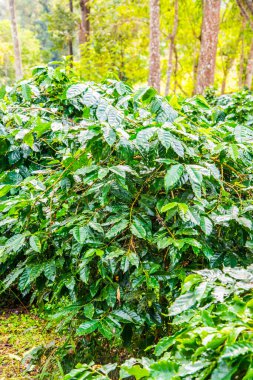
62 26
117 44
85 22
171 38
70 40
230 39
16 44
154 45
209 40
246 7
31 54
249 71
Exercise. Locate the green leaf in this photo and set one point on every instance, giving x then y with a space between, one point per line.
41 127
50 270
4 145
24 280
206 225
169 206
118 170
29 139
143 137
90 98
122 316
195 178
14 157
237 349
114 117
137 371
109 135
163 345
182 303
89 310
80 234
109 294
12 277
224 371
84 272
137 229
35 243
16 242
117 229
4 189
87 327
177 147
164 370
164 137
106 329
172 176
26 91
75 90
101 110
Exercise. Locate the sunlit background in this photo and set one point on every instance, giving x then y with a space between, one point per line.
119 41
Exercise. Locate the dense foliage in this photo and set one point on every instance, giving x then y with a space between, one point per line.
110 197
214 337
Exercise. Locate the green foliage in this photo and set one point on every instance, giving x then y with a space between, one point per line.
214 335
110 196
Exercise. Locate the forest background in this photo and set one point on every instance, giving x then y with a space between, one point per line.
113 38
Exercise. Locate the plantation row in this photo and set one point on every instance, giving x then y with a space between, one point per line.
127 217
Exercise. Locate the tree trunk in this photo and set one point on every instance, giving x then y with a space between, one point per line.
241 67
85 22
249 4
16 44
224 82
171 48
249 70
175 68
154 45
195 71
71 52
242 58
208 48
245 12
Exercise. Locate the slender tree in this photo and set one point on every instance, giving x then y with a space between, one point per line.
172 37
249 4
242 55
246 8
15 38
154 45
249 69
85 22
208 48
246 11
71 52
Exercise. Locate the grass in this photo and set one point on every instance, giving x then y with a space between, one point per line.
21 333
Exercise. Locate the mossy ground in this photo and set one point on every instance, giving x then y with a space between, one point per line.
21 331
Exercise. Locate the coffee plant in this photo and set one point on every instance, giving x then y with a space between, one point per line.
110 197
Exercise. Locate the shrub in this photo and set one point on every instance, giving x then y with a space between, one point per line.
109 197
